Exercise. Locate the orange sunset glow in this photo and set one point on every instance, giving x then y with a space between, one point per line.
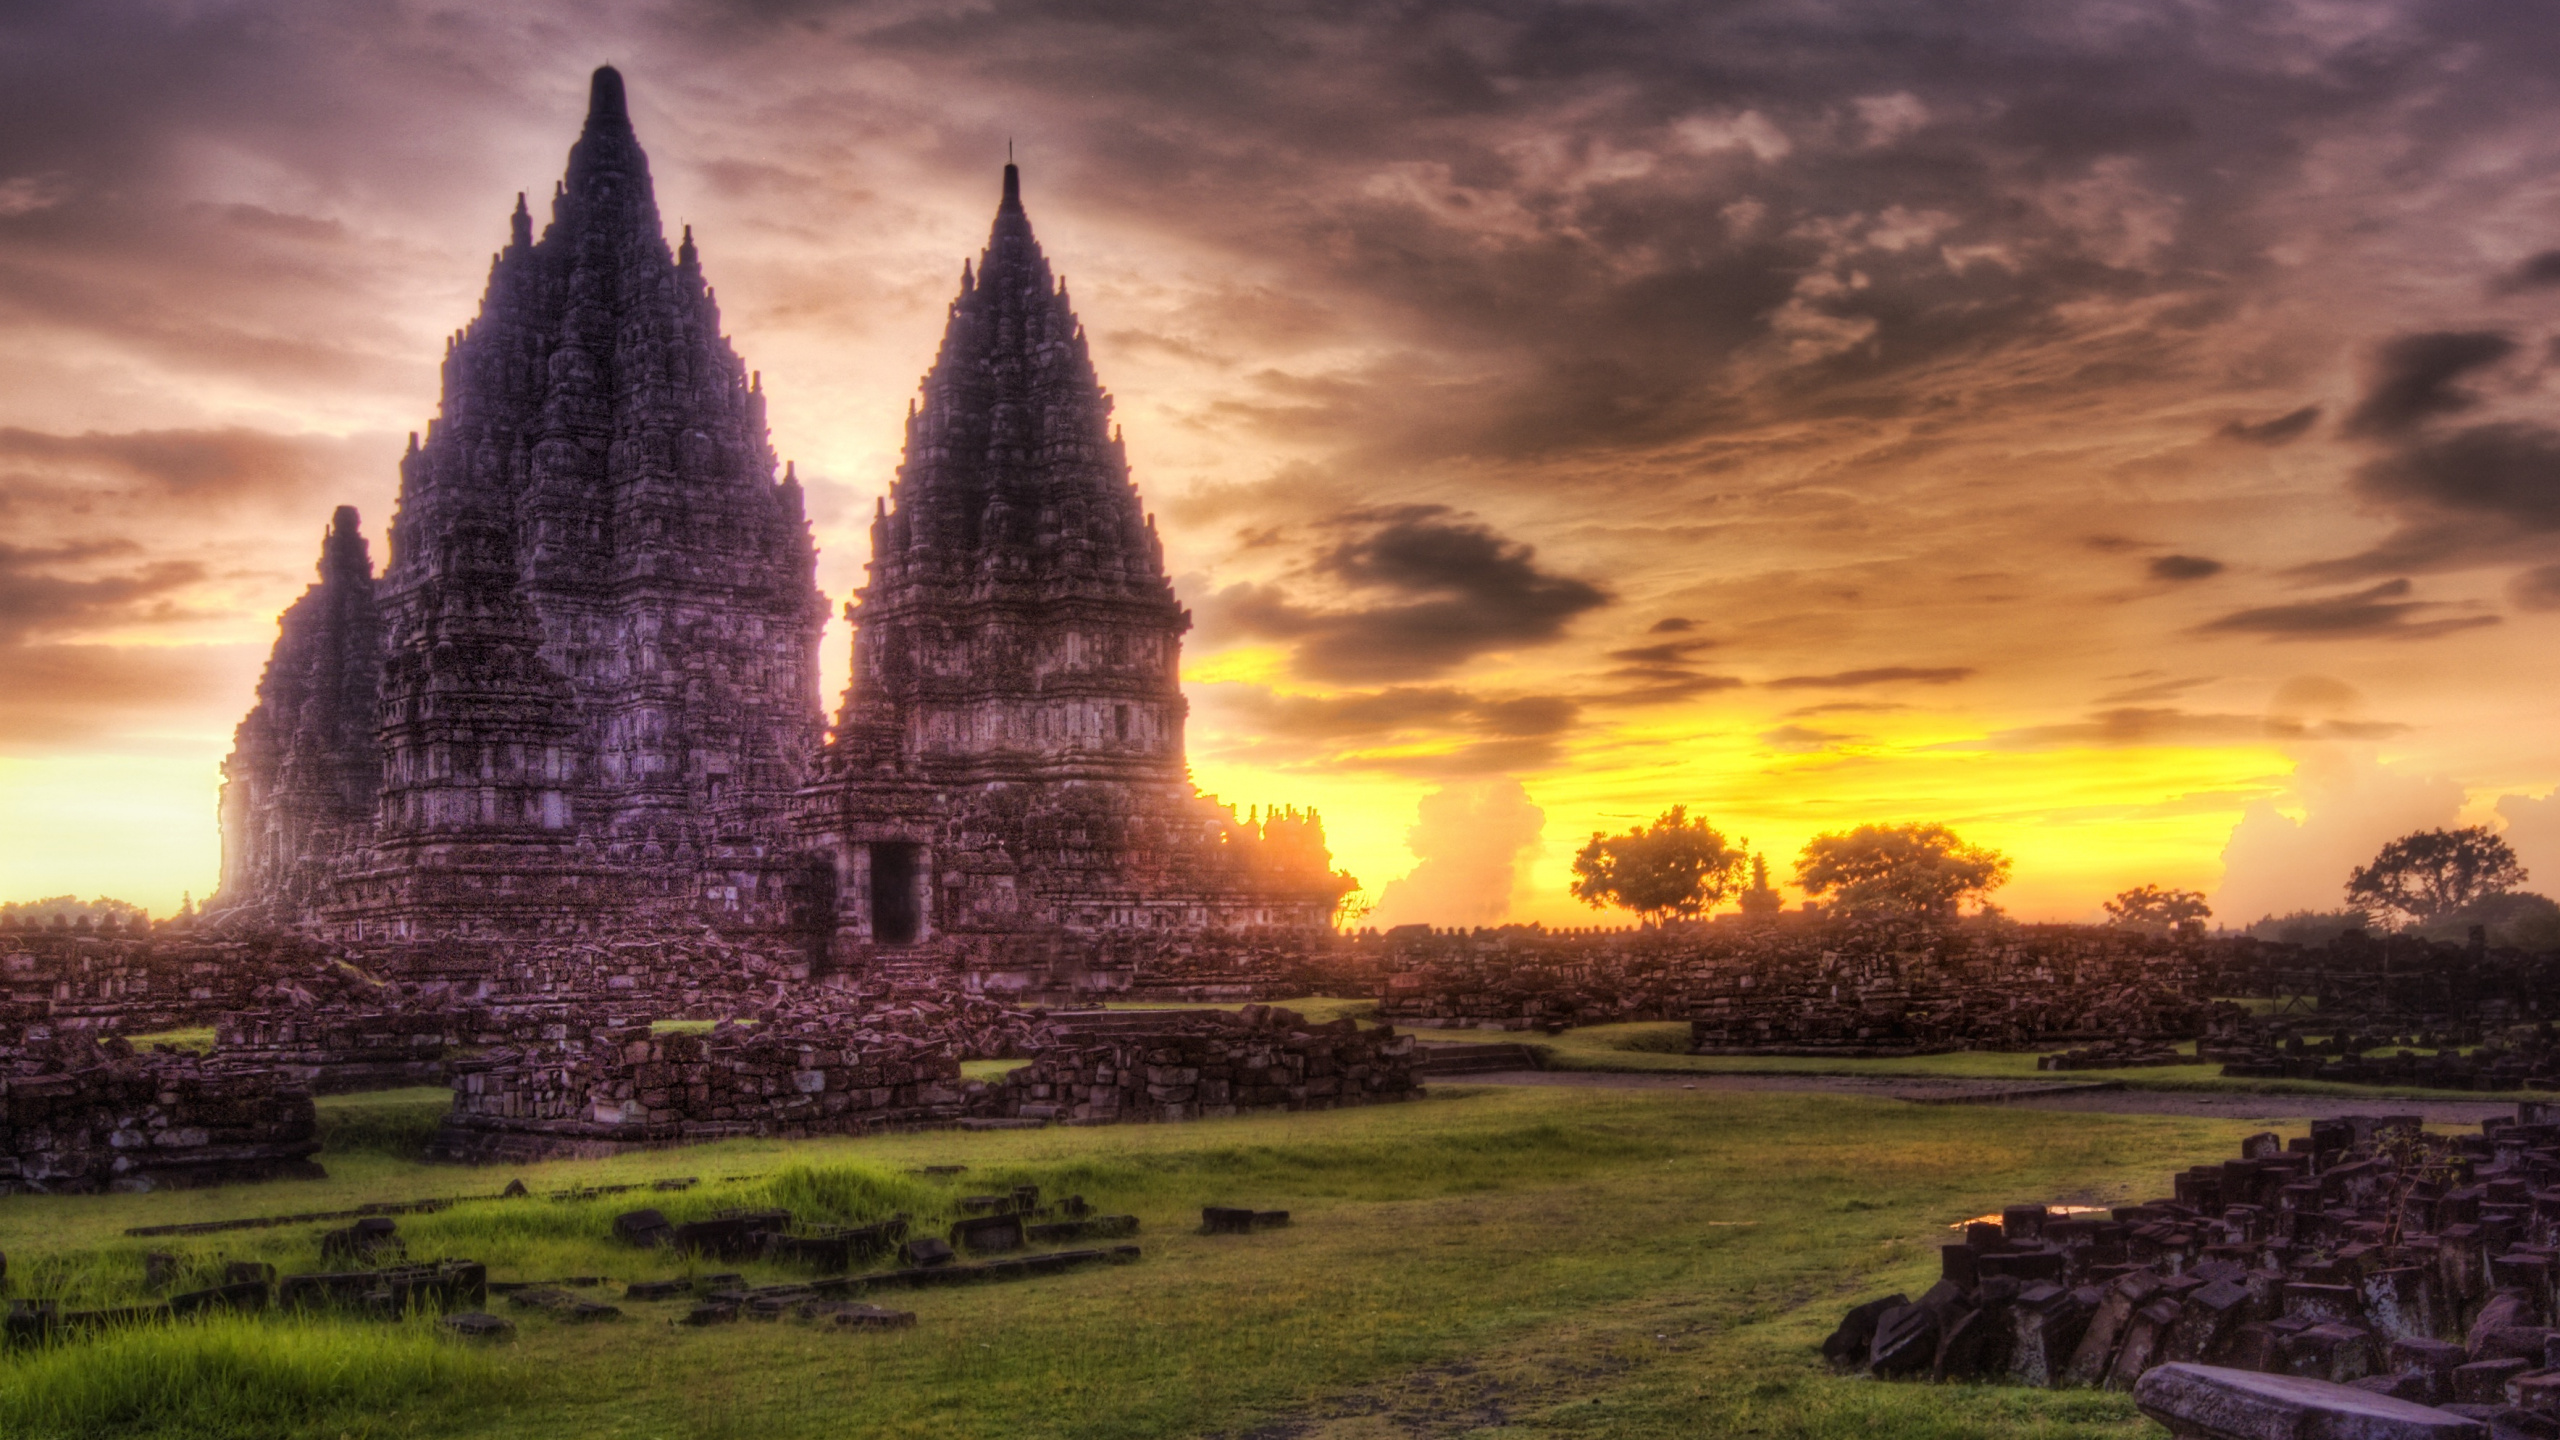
2127 435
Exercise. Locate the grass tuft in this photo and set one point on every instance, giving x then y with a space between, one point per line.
240 1376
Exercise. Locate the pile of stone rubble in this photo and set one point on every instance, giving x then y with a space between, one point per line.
2368 1253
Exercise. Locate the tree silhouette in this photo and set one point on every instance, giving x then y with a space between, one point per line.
2148 907
1674 867
2429 873
1917 870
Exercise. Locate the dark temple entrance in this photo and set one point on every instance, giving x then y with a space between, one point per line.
894 917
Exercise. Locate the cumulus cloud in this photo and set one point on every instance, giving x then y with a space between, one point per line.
2350 805
1420 591
2531 825
1474 844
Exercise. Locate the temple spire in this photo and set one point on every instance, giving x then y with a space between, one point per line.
1012 184
605 103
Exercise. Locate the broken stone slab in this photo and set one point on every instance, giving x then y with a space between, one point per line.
1846 1348
1096 1227
657 1289
478 1325
989 1234
561 1305
2210 1402
641 1227
924 1252
240 1295
852 1315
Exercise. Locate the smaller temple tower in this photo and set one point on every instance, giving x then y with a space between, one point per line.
1006 776
298 789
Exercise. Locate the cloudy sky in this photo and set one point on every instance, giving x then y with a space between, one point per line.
2122 431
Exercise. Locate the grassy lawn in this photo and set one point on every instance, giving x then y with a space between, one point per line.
1662 1046
1514 1262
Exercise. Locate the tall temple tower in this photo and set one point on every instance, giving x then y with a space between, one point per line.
1006 774
596 636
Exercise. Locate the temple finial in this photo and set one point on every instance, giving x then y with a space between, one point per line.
520 228
605 104
1012 181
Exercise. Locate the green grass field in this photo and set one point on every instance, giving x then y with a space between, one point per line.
1490 1261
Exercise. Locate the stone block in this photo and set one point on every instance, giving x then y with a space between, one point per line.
2206 1402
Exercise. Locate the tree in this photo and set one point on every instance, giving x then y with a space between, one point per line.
2430 873
1916 870
1674 867
1761 897
2148 907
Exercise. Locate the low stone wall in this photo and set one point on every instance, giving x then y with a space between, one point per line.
58 983
78 1117
618 1088
1198 1065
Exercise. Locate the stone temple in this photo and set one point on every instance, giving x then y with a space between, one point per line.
582 695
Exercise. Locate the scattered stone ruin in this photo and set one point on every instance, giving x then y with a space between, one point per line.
2368 1253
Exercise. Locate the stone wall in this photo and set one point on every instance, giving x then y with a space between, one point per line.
80 1116
1210 1064
616 1088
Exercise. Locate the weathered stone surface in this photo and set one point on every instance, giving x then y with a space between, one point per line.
1006 775
583 687
479 1325
2214 1403
80 1116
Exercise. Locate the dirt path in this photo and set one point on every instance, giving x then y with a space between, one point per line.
2099 1097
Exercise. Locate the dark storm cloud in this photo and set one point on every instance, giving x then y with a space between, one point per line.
37 596
1675 652
1423 731
1423 591
2479 494
1626 226
1880 675
2506 473
2282 430
2537 589
2129 726
2380 612
2414 375
2537 273
2184 567
201 467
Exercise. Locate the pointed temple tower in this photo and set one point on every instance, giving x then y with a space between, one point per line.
1006 780
596 636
